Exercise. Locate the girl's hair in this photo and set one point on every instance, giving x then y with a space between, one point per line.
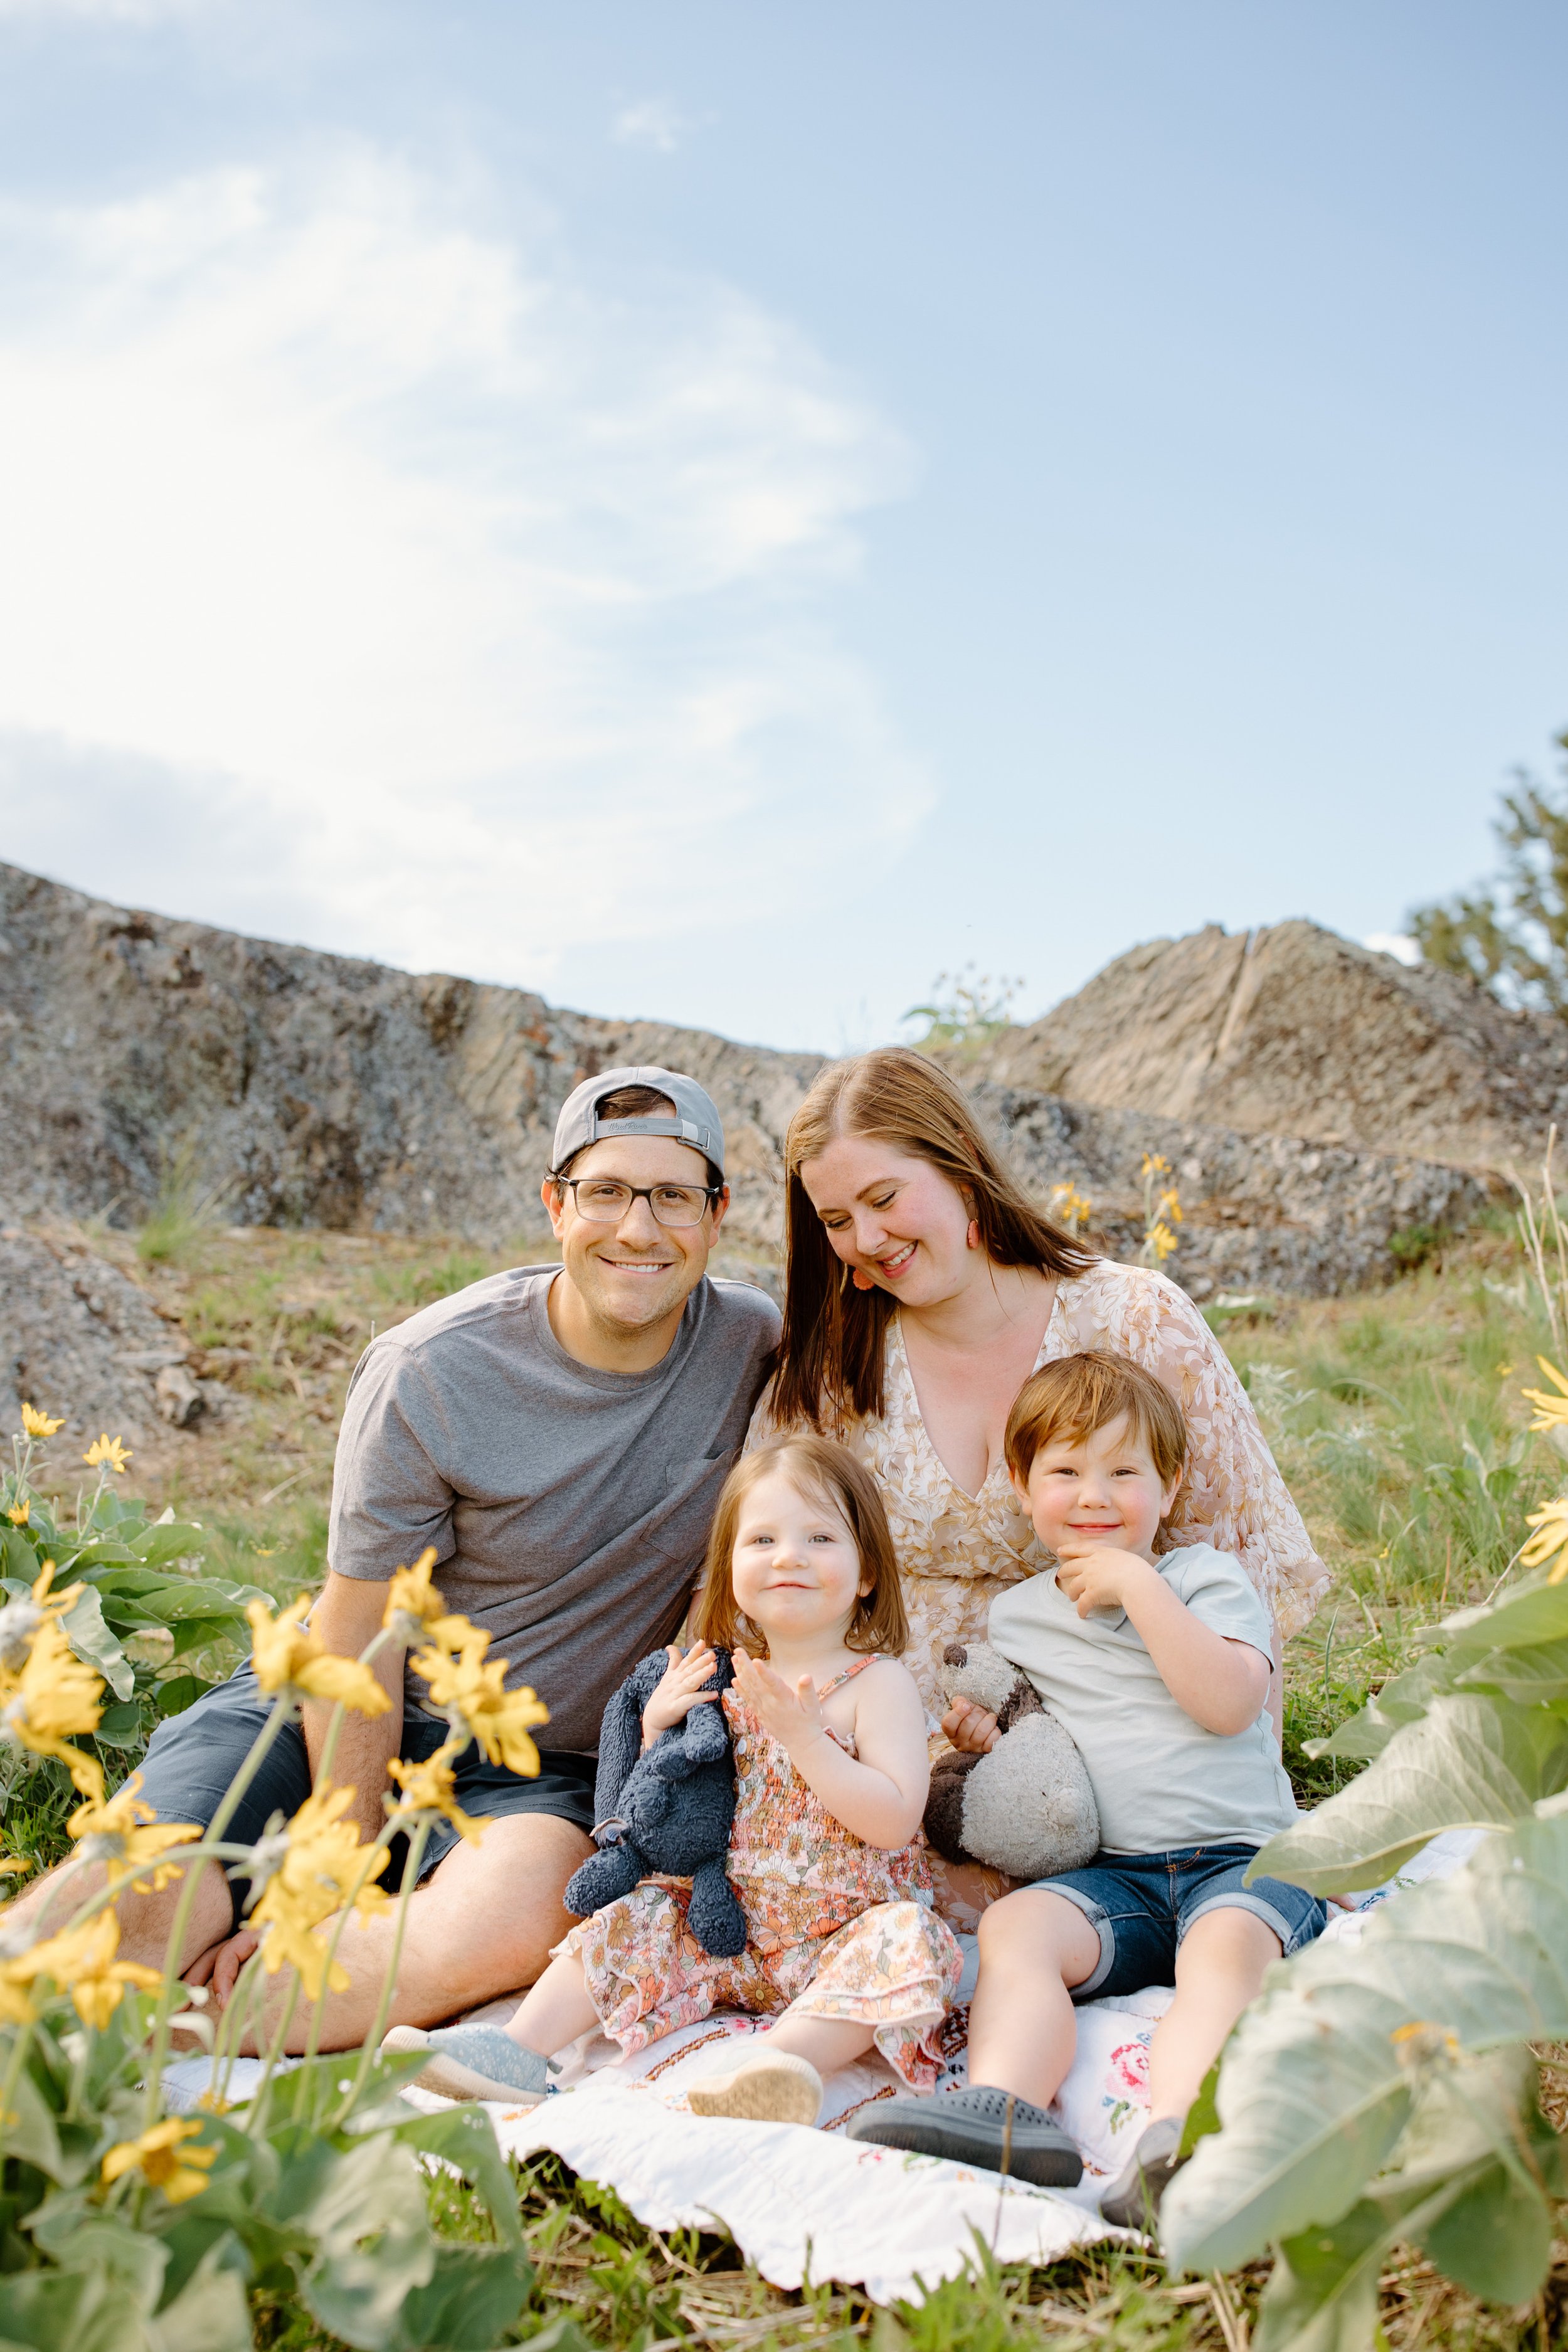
1080 1394
818 1466
830 1352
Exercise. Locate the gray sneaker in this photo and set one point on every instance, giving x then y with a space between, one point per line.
474 2062
977 2125
1133 2199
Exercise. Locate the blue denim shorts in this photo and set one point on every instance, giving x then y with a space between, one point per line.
1142 1904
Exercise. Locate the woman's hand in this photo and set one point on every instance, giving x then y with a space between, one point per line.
678 1691
971 1730
793 1715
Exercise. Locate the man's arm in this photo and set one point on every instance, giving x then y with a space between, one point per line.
347 1620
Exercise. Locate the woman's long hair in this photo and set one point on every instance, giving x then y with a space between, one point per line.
830 1352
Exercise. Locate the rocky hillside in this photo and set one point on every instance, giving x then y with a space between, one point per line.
1294 1031
297 1089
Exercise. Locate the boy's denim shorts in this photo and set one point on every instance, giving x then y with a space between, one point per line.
1142 1904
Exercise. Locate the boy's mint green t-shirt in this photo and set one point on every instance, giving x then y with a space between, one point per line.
1160 1780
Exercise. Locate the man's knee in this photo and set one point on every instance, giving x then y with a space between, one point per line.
503 1896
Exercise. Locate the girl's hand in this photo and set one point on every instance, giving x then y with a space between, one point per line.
972 1729
678 1691
793 1715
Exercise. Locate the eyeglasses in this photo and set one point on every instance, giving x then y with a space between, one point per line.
604 1201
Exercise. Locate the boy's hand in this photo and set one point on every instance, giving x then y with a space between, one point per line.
971 1730
1096 1576
680 1691
793 1715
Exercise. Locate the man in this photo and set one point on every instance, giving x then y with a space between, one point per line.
560 1436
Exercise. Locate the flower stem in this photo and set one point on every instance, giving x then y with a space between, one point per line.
367 2056
312 2039
269 1732
18 2059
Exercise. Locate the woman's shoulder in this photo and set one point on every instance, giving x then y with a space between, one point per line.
1109 1295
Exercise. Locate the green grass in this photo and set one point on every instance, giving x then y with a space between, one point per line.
1398 1422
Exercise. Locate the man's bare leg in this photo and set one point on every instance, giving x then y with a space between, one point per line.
146 1921
483 1925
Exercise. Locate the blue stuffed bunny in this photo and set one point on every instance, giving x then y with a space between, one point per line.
667 1810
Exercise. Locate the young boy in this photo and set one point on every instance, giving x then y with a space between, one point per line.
1159 1664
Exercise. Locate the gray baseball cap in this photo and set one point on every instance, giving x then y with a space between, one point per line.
696 1120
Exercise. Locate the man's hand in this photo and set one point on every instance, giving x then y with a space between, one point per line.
1097 1576
219 1966
972 1730
679 1690
794 1717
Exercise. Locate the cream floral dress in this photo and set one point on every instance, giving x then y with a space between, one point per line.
956 1551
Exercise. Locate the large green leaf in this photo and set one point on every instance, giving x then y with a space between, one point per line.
1405 1700
90 1638
210 2314
1323 2072
374 2242
465 2138
1532 1612
1471 1762
470 2302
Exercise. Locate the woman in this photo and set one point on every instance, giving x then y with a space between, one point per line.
921 1289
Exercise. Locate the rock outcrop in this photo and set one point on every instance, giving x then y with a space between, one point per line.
1294 1031
312 1089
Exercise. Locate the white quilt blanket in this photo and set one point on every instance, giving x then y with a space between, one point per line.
805 2207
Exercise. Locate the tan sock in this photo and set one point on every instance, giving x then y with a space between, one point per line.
773 2086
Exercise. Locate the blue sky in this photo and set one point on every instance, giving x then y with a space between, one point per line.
721 512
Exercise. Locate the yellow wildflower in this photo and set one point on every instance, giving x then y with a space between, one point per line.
287 1655
414 1603
20 1513
53 1695
179 2171
1161 1240
1169 1206
431 1788
471 1691
107 1449
1550 1537
322 1859
1551 1411
126 1836
1155 1164
39 1424
81 1961
1071 1207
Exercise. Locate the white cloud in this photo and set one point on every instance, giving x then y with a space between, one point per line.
651 122
483 603
1397 944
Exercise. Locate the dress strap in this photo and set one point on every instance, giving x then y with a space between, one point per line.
848 1675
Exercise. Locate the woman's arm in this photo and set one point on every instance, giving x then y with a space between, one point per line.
878 1796
1233 1496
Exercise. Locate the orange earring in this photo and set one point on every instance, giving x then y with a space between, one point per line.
862 1280
972 1236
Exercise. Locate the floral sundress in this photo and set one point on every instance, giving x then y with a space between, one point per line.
834 1928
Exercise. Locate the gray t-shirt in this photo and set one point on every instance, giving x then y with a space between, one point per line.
1160 1780
569 1507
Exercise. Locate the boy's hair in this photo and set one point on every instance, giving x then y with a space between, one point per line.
832 1472
1079 1394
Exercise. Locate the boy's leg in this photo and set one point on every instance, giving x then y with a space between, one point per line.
1033 1947
1220 1963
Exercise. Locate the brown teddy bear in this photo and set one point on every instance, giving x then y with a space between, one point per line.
1027 1808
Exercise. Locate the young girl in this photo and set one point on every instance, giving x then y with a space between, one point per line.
842 1946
